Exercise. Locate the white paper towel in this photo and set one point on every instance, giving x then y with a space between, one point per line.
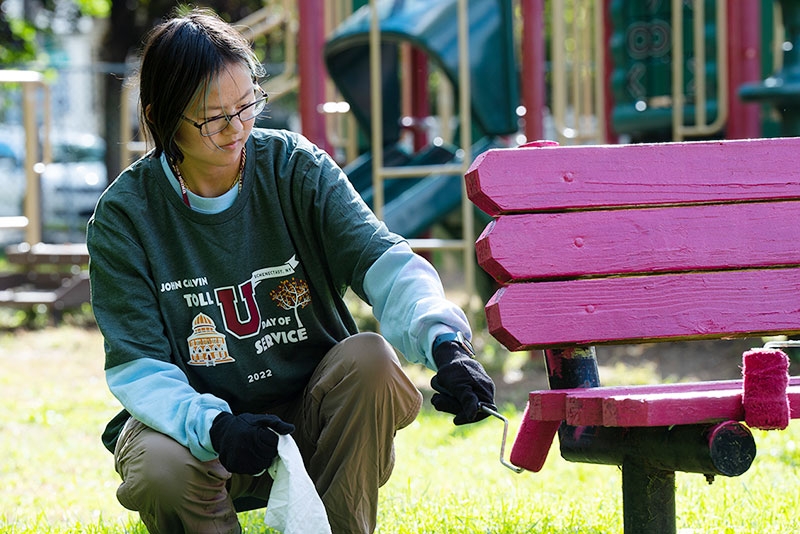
294 506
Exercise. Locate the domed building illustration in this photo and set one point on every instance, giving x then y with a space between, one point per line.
207 346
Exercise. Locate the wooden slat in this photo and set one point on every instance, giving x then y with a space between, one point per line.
552 405
673 408
50 254
645 308
711 237
683 408
657 405
556 178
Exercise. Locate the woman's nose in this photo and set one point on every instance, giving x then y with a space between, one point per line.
238 119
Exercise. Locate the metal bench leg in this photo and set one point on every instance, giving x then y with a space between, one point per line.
575 367
648 493
648 499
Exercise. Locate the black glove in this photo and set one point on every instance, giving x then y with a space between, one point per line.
461 382
246 443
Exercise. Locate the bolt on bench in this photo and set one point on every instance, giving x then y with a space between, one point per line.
624 244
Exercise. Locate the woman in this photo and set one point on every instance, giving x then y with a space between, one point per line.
218 265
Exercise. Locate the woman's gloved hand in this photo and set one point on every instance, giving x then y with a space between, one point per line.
247 443
461 383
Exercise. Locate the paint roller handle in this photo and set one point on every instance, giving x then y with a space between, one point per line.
488 410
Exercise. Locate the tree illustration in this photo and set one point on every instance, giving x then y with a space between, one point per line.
291 295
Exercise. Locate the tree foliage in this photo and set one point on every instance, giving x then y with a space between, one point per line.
26 24
17 41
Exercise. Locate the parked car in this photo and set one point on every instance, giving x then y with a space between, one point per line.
12 188
12 181
71 185
12 175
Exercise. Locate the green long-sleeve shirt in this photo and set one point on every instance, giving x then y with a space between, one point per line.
247 301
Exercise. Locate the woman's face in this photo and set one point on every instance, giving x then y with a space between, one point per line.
232 90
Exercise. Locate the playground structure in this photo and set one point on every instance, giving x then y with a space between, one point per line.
460 76
611 76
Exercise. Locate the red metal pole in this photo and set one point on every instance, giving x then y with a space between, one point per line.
533 67
610 134
311 39
744 65
420 108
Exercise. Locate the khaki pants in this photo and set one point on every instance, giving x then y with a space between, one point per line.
345 423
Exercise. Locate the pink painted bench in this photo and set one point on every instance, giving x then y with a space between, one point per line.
624 244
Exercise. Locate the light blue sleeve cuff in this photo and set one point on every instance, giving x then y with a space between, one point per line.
408 300
159 395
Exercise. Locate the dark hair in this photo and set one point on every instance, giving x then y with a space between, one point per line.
181 56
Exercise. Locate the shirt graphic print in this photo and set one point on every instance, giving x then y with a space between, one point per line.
242 316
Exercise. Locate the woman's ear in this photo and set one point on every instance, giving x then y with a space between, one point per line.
147 110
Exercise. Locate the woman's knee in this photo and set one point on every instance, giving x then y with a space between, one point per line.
364 367
159 469
368 353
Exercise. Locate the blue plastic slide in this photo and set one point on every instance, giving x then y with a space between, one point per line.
412 205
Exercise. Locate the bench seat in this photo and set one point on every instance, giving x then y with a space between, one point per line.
651 405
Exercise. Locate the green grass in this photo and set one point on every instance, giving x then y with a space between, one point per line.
55 476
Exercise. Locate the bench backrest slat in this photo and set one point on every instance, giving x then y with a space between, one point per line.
646 308
558 178
691 238
587 258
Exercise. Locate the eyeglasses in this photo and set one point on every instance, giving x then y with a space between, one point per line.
214 125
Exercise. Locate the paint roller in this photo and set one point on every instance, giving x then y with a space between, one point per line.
531 445
766 378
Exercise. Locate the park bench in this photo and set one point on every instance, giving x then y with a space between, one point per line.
52 277
627 244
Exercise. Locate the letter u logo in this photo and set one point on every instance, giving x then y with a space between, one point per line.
229 305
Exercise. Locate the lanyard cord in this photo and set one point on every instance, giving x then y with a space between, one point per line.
185 190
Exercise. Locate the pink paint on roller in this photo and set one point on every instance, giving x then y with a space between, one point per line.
533 442
764 397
